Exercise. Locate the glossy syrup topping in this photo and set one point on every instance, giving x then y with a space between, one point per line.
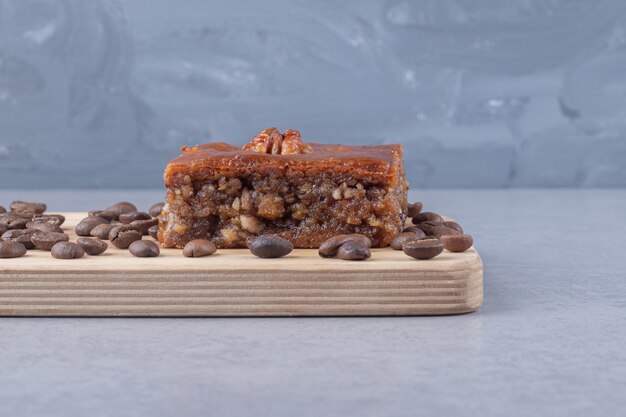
272 150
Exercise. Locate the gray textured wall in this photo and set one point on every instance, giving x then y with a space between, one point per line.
481 93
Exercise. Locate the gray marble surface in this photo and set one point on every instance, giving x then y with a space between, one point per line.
481 93
550 339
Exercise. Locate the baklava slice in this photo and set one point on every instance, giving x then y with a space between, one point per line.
276 184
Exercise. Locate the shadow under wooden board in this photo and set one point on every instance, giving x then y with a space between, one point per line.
235 283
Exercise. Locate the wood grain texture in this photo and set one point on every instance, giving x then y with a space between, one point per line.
235 283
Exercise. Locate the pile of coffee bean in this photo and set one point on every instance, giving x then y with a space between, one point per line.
427 238
124 226
27 226
430 235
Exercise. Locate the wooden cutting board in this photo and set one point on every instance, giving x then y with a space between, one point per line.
235 283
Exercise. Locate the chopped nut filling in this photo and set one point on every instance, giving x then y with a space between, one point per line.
318 208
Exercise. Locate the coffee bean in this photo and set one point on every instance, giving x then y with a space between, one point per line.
144 249
199 247
92 247
416 230
86 225
44 227
25 240
57 219
122 236
143 226
106 215
270 246
15 233
102 231
26 207
11 249
22 236
3 228
45 241
13 221
18 214
354 250
155 210
457 243
329 248
423 249
427 216
153 231
126 218
436 229
414 209
403 237
67 250
453 225
2 210
121 208
24 214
